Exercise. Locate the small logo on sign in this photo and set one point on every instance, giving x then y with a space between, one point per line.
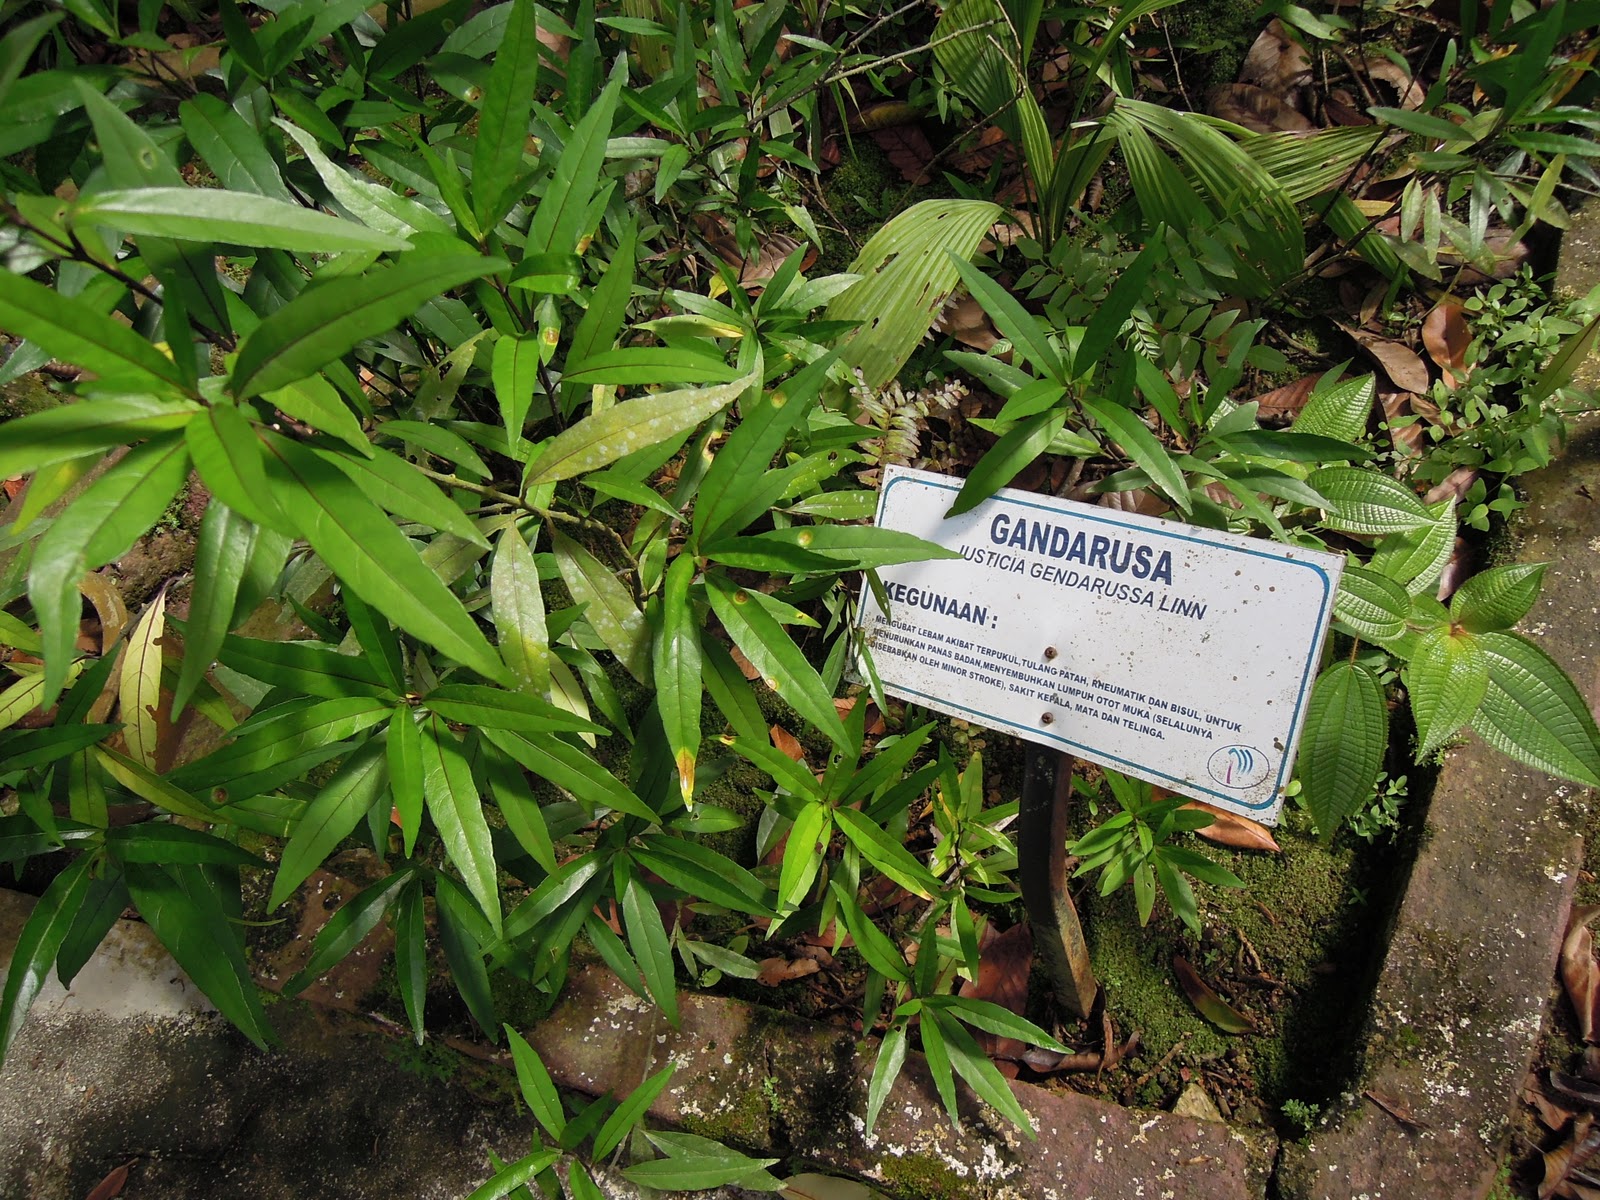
1239 766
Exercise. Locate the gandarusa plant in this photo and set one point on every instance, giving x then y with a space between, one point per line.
555 526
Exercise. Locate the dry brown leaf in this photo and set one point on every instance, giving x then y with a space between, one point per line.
1275 61
1446 336
1402 364
1004 964
746 668
1457 571
781 970
103 593
111 1186
1211 1006
990 147
1230 829
1285 403
1551 1115
963 318
1135 500
1453 486
1580 973
786 743
1565 1160
1341 113
1409 92
907 149
1256 109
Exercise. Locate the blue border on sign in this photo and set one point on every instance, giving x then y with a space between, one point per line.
1155 528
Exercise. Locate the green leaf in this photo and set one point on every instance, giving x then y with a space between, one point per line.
1371 606
696 1163
100 911
147 785
193 910
519 1174
802 856
700 872
1532 712
612 433
274 736
373 558
538 1089
885 1070
160 842
29 748
1365 501
1447 678
608 305
771 651
1002 1022
1416 558
213 215
937 1056
611 610
457 811
886 853
310 670
647 938
1497 598
15 53
907 274
676 667
231 148
503 119
228 454
350 923
1340 412
492 708
649 365
411 956
343 801
557 225
1342 744
403 746
982 1076
1014 322
571 770
316 402
73 332
71 431
463 935
139 686
1135 438
100 526
516 375
1289 446
327 319
519 618
848 547
1017 447
631 1111
395 485
38 944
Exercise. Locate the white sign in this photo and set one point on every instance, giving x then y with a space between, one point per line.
1176 654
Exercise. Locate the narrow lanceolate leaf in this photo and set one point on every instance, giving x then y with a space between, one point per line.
101 525
220 558
802 855
194 911
1371 605
87 427
611 610
373 558
1447 677
231 148
1342 746
463 935
1142 446
355 787
147 785
139 692
1017 447
503 120
891 1057
558 222
411 956
1366 501
982 1076
214 215
1497 598
571 770
676 664
276 735
39 943
310 670
518 602
351 922
453 802
396 486
326 320
768 647
481 707
647 938
75 333
538 1089
516 373
403 744
1532 712
841 547
606 436
885 853
228 454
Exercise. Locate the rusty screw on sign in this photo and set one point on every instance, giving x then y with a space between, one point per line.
1042 868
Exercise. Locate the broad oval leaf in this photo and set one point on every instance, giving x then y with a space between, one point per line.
1339 412
1497 598
1447 678
1532 712
1371 606
1368 502
1342 744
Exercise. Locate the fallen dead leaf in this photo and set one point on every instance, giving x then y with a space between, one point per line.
746 668
1256 109
1206 1001
111 1186
908 150
1275 61
1580 973
1457 571
786 743
1446 336
1453 486
1004 964
1406 89
1402 364
781 970
1230 829
963 318
1394 1108
1284 403
1567 1159
102 592
1551 1115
